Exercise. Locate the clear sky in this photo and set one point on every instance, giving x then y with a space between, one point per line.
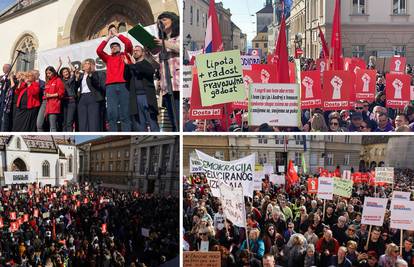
242 11
83 138
5 3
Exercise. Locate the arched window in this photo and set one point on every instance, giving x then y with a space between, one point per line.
28 45
18 143
70 163
45 169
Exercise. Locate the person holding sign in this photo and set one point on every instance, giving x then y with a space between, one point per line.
116 92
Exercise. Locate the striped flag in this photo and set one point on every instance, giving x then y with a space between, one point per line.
213 41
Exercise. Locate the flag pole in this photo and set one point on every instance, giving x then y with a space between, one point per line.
401 240
369 237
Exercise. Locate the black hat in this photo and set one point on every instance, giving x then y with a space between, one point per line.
356 115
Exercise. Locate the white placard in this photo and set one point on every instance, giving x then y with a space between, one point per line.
277 179
232 200
402 214
145 232
325 188
187 81
274 104
384 175
374 211
268 169
399 195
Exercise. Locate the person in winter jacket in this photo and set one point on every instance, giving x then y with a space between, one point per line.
54 93
116 91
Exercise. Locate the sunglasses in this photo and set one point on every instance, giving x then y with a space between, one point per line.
334 123
359 108
202 233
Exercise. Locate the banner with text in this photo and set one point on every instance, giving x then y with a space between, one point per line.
201 259
237 173
311 90
398 90
400 195
19 177
365 83
274 104
196 166
338 87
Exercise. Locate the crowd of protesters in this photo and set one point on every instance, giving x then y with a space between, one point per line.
86 225
366 116
124 98
286 227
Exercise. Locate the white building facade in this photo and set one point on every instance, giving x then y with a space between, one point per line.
51 159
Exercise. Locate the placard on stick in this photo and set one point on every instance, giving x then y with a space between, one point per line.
220 77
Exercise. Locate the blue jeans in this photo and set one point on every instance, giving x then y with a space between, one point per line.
143 117
117 99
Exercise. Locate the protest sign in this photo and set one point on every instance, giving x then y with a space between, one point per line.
374 211
292 72
248 61
281 168
196 166
103 228
274 104
338 86
311 90
25 217
197 111
399 195
402 214
365 83
220 77
19 177
14 226
232 200
249 77
236 173
398 90
201 259
312 185
346 174
145 232
266 72
277 179
36 213
325 188
187 81
257 177
384 175
12 215
354 64
342 187
398 64
45 215
1 223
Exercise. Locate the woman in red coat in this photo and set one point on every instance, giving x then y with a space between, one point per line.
27 105
54 92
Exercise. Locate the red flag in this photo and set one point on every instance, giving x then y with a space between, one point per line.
291 173
325 48
336 42
337 172
281 54
1 222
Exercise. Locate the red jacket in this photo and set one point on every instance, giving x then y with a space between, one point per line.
115 63
33 95
53 86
